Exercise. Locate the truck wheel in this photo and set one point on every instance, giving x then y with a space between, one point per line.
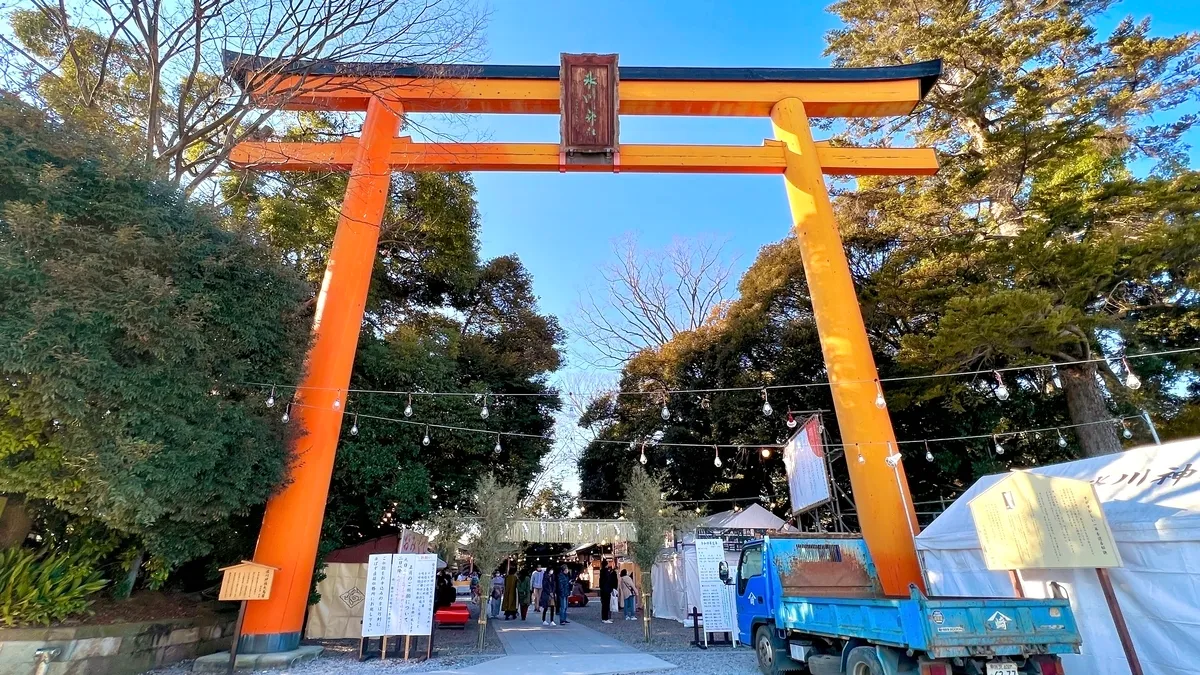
771 651
863 661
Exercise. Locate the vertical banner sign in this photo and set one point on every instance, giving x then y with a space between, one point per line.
588 101
398 601
807 474
378 593
710 555
424 578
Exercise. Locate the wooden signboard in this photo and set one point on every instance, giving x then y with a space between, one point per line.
588 101
1032 521
246 581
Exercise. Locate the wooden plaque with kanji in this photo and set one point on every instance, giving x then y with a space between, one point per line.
246 581
588 91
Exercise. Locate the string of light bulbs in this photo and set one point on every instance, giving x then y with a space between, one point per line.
765 449
1001 390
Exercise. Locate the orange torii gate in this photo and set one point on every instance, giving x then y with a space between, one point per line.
589 92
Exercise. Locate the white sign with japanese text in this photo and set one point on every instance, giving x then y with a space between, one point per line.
807 473
714 603
399 596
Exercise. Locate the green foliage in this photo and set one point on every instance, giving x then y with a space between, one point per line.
448 527
127 320
551 502
654 518
495 505
44 587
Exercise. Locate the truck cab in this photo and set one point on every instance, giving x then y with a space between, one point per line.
813 603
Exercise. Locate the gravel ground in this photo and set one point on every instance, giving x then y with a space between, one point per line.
670 642
455 648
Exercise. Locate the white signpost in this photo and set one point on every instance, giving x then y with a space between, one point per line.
399 596
716 597
807 472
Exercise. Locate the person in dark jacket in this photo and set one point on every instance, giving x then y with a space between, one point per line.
563 582
548 600
608 584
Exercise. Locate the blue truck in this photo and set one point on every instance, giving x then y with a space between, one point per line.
813 604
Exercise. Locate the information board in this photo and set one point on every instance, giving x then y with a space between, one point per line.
378 594
807 472
714 602
399 596
1033 521
246 581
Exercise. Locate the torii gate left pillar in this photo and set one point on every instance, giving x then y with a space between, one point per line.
789 97
291 527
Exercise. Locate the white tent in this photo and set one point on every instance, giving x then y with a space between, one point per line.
675 575
1151 498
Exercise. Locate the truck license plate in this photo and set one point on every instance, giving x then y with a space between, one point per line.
1002 669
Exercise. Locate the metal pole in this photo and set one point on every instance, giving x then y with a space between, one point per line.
1110 596
1150 426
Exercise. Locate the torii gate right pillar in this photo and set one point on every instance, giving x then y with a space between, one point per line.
878 489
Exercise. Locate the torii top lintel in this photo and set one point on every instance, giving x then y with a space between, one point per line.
730 92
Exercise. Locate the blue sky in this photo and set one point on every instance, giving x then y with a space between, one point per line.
562 226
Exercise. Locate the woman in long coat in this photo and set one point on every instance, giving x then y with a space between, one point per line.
509 604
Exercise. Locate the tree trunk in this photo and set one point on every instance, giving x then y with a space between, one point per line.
1086 405
15 522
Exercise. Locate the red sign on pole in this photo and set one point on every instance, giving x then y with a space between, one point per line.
588 84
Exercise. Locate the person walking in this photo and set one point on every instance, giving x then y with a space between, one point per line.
628 595
524 593
549 588
563 583
495 595
474 587
536 582
608 586
509 604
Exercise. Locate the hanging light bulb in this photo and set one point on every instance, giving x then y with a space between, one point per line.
767 410
287 413
1125 429
497 448
697 510
354 427
484 411
337 402
765 452
642 459
1062 440
716 457
425 441
1001 389
791 420
666 412
861 459
880 401
999 448
408 408
1055 378
1131 380
271 398
928 452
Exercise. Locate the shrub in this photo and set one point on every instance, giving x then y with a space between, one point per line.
45 586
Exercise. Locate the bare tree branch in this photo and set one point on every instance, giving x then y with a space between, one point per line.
648 297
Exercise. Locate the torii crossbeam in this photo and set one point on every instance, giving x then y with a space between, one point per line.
589 92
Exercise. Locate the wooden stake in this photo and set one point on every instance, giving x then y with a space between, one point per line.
237 635
1110 596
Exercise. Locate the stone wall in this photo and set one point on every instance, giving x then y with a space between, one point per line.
114 649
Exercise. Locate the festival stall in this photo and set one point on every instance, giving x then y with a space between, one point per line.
1151 499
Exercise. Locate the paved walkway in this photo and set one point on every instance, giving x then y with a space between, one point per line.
572 649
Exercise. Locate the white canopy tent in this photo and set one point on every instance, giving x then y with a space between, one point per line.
675 575
1151 499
